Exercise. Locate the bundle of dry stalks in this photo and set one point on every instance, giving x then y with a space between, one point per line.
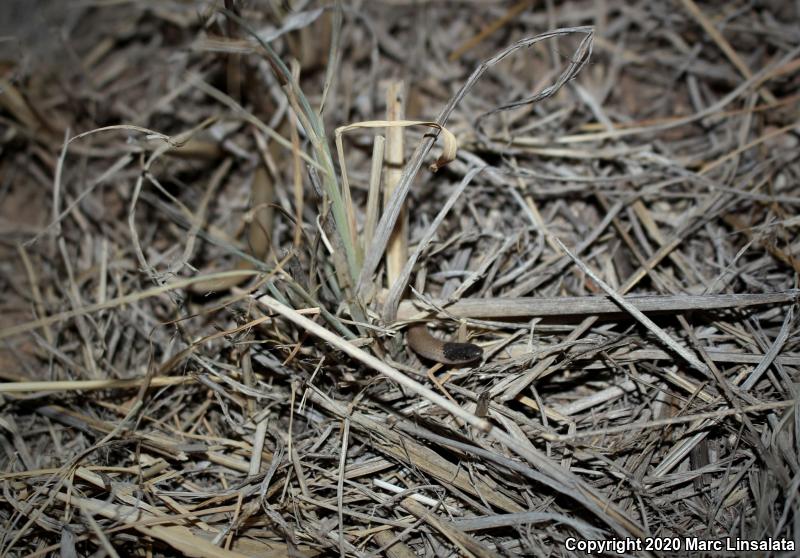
218 221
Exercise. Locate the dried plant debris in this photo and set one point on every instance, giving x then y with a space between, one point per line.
218 223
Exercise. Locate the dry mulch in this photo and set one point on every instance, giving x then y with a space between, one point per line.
207 279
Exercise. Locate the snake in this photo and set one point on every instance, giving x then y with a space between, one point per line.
427 346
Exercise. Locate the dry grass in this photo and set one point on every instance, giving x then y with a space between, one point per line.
201 336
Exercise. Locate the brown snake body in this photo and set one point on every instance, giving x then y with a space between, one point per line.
428 346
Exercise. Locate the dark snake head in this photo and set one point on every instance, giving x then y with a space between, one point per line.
462 353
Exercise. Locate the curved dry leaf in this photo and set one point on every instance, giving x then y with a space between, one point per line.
449 142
